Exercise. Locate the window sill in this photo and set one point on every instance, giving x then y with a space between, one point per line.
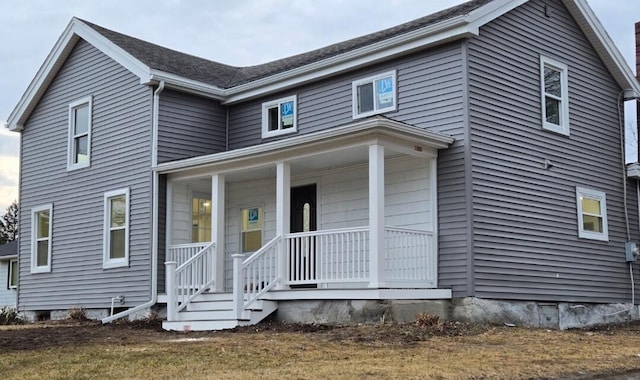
41 270
115 264
376 112
593 236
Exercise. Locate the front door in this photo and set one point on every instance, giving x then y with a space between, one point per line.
302 249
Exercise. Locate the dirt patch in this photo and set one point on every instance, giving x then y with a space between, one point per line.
64 333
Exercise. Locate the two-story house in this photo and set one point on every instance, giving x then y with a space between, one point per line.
468 163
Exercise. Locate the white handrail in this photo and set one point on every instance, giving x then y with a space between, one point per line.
410 256
186 281
255 275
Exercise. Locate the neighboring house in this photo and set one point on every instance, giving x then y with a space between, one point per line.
8 273
467 163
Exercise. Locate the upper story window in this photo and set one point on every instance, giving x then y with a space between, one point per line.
555 96
375 94
592 214
279 117
116 229
79 149
41 238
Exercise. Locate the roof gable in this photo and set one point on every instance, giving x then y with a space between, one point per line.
154 64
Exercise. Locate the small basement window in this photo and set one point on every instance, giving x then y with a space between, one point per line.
279 117
374 95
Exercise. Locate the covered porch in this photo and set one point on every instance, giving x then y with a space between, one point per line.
351 209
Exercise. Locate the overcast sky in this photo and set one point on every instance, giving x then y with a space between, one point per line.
238 32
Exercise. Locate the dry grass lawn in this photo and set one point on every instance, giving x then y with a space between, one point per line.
87 350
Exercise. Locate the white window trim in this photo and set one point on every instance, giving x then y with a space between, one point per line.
9 285
371 79
265 117
70 144
563 128
34 239
602 198
108 262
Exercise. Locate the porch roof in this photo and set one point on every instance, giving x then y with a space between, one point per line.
404 136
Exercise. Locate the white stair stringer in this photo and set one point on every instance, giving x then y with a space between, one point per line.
214 311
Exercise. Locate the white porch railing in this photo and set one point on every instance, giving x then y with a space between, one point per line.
409 257
180 253
256 275
186 281
320 257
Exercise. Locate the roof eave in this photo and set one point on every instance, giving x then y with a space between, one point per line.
381 125
445 31
603 44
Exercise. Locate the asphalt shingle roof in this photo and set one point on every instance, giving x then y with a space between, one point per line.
225 76
9 249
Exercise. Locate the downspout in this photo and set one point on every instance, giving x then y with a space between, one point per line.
154 213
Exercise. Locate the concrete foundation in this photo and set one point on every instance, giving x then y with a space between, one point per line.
559 315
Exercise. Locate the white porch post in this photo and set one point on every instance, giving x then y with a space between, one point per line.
376 216
217 229
283 206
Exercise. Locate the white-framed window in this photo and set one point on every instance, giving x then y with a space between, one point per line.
79 148
375 94
554 95
200 218
592 214
13 274
251 232
116 229
279 117
41 228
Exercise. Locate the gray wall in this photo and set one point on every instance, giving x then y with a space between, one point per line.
120 157
526 234
189 126
432 96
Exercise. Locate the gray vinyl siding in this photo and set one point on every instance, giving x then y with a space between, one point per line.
431 96
525 223
189 126
120 158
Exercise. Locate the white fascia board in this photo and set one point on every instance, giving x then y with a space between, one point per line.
492 10
604 45
51 64
177 82
448 30
383 126
75 29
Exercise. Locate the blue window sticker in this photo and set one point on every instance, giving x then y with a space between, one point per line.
286 114
253 215
385 92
